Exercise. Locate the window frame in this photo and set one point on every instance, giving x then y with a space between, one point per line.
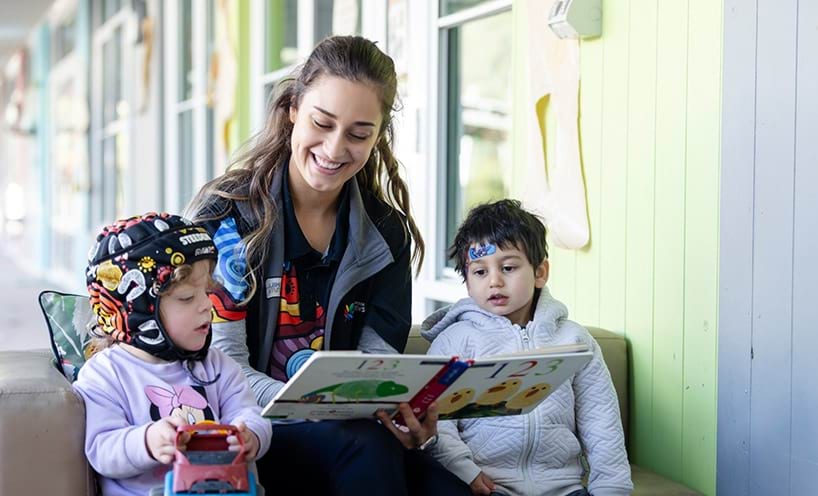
438 282
373 26
122 21
202 168
68 222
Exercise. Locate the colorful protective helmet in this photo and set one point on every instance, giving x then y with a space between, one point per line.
129 265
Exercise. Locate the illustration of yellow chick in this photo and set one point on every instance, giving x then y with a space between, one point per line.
455 401
499 392
529 396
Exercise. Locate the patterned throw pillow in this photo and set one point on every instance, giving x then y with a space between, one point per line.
67 317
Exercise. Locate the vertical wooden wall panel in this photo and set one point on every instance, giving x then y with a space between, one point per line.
772 258
804 453
592 63
613 184
736 248
701 244
639 216
668 311
637 108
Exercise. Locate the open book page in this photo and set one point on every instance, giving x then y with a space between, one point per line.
548 350
343 385
509 384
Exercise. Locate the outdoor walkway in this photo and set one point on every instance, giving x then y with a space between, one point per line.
21 321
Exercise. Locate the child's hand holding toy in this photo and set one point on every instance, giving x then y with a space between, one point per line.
251 443
160 438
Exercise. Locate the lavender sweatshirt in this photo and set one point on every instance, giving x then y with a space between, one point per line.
123 395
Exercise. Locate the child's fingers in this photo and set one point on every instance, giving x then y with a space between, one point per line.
166 433
233 441
487 481
253 444
184 438
176 421
165 454
479 488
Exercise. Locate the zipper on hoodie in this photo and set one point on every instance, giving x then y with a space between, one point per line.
531 417
523 335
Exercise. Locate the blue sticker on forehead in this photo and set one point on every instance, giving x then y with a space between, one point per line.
481 251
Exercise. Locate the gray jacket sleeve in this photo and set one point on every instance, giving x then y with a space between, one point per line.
372 342
231 338
600 429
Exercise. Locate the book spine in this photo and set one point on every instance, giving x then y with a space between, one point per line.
435 387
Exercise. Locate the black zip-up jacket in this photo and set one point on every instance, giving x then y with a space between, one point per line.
374 275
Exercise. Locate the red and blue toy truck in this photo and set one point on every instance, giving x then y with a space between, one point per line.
205 465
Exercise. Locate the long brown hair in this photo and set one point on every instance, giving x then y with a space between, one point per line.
249 176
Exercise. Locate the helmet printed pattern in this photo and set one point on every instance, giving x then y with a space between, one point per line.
128 267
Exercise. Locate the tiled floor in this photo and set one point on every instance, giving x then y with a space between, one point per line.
21 321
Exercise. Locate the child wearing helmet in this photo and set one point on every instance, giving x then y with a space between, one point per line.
148 278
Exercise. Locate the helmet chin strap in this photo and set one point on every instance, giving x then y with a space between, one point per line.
169 351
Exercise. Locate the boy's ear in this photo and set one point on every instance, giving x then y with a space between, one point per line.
541 274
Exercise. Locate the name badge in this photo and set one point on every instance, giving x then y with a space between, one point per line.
273 287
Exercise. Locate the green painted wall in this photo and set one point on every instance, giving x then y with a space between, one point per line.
650 132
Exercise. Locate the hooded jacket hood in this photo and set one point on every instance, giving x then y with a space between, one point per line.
547 315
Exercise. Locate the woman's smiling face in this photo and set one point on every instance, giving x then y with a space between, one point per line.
335 127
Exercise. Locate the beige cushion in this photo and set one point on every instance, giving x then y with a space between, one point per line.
647 483
42 428
615 352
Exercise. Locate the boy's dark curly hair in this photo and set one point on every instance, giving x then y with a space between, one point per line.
504 223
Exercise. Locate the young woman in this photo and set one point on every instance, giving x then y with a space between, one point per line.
314 234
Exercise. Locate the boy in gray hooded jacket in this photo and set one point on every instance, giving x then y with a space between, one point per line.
500 251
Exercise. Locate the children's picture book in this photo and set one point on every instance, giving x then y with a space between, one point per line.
350 384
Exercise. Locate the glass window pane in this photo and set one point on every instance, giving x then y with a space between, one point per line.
281 43
109 8
210 124
269 89
210 33
334 17
68 159
63 39
110 179
112 78
210 149
451 6
478 157
185 165
186 76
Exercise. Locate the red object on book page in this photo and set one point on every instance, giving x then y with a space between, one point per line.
435 387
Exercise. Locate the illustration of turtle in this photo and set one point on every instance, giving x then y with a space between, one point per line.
356 391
